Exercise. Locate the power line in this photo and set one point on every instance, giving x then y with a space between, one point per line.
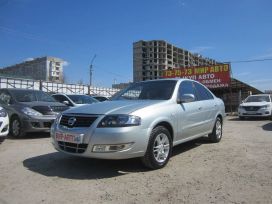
248 61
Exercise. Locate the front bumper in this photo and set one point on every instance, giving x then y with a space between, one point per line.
136 136
38 124
258 113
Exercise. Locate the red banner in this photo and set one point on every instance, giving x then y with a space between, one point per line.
215 76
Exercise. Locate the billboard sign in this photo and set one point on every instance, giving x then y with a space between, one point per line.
213 76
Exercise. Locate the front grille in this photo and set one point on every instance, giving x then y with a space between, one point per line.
59 108
72 148
251 108
80 120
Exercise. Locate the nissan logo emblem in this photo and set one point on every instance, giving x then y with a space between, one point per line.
71 121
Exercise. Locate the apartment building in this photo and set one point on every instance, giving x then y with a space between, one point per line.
150 58
43 68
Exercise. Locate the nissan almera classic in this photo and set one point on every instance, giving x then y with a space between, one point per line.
145 120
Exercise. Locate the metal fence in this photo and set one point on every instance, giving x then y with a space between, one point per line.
51 87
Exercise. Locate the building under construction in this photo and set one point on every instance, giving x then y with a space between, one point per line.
152 58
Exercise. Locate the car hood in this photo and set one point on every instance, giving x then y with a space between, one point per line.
113 107
255 103
45 107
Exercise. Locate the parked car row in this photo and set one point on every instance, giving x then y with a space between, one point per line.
25 110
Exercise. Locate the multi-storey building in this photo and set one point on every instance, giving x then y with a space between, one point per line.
43 68
150 58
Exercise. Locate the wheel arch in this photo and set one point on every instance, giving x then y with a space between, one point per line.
168 126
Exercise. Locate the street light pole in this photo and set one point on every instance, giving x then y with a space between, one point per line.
91 70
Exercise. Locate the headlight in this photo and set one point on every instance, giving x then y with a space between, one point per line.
3 113
265 106
119 121
241 106
30 112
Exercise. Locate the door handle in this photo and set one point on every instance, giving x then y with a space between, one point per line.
200 108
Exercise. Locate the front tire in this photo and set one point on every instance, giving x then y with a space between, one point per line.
159 148
16 127
216 134
241 117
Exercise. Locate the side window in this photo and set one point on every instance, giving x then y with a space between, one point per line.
186 87
61 98
202 92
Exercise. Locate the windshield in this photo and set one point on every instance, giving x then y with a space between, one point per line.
148 90
82 99
258 99
31 95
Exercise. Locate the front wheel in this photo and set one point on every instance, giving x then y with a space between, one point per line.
16 127
159 148
216 134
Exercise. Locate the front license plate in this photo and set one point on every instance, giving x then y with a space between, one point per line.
65 137
251 112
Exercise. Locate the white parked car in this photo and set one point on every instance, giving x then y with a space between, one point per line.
256 106
145 120
74 100
4 124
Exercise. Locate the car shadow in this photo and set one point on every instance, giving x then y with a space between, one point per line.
248 119
57 164
184 147
64 166
267 127
36 135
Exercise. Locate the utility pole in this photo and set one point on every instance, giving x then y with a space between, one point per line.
91 70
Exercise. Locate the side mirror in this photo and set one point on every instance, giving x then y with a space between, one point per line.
186 98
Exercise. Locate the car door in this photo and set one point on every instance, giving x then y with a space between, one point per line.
209 106
190 115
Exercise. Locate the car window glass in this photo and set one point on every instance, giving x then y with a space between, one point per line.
60 98
202 92
148 90
186 87
42 96
82 99
258 99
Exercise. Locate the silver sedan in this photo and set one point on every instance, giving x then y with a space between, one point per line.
145 120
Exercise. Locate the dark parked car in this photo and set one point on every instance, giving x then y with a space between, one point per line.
29 110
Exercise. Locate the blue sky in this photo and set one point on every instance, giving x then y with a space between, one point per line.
229 30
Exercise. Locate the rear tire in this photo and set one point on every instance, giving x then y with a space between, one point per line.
159 148
16 127
216 134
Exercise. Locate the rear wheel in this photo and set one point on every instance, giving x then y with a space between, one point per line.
16 127
159 148
216 134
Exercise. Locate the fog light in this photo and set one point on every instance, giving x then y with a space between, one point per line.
111 147
35 124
